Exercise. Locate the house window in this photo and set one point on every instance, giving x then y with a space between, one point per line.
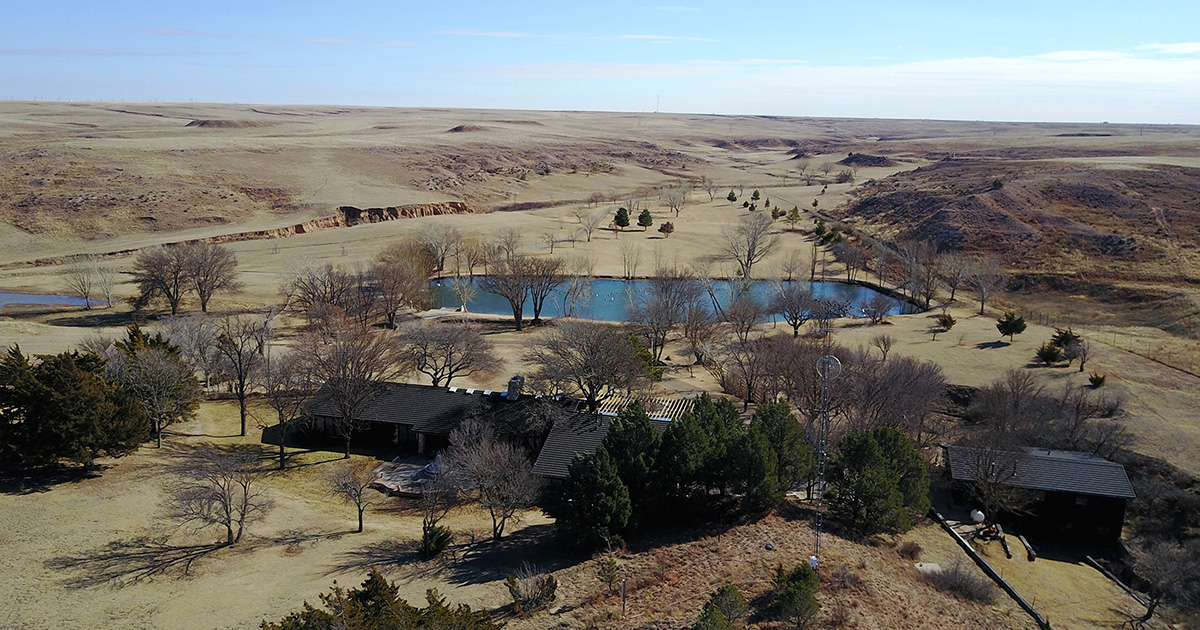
1081 501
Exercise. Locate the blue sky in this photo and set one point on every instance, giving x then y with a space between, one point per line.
1014 60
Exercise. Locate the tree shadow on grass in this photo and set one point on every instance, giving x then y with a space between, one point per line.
390 555
489 560
43 479
992 345
97 319
468 563
125 562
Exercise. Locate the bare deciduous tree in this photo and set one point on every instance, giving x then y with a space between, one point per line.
579 283
80 282
663 306
240 340
464 291
350 363
287 387
351 482
675 197
439 240
709 186
508 241
498 474
750 242
883 342
164 385
922 270
1172 571
509 278
196 337
161 272
106 283
318 292
210 268
631 257
850 255
544 275
795 303
444 352
591 359
589 223
743 368
399 285
699 330
877 308
953 268
987 278
792 265
743 313
217 486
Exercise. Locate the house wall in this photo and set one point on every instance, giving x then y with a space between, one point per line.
1080 518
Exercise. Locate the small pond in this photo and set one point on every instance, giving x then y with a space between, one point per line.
610 300
7 299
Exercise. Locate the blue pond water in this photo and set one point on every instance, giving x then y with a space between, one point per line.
610 300
39 298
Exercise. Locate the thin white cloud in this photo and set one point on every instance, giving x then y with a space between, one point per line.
571 71
1063 86
330 41
464 32
183 32
664 38
1184 48
1082 55
97 52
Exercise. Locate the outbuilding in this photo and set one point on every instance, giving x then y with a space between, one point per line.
1073 496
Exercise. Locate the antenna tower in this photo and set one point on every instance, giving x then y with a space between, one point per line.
829 367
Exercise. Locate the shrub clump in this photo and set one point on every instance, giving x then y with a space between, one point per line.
434 540
909 550
531 589
964 583
796 594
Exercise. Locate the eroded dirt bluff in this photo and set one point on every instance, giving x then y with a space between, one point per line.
350 216
1131 223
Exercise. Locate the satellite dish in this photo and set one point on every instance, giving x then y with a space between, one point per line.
829 366
977 516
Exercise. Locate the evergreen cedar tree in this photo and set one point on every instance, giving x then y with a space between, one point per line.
708 465
666 229
731 197
622 218
1010 325
796 593
377 605
60 408
645 219
878 482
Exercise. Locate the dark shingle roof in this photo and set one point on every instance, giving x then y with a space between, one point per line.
574 434
1042 469
427 409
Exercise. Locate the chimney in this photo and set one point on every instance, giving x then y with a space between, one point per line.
514 387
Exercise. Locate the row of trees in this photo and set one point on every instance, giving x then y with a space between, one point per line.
172 273
707 466
77 406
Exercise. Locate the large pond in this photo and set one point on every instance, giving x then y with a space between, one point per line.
40 298
610 300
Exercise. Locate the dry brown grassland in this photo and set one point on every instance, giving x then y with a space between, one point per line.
100 178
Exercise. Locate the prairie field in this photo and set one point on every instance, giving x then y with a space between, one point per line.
1098 226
